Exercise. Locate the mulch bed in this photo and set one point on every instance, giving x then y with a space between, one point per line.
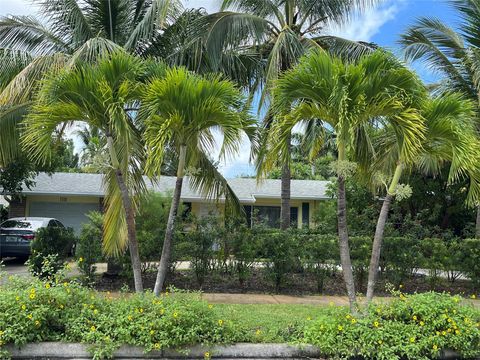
295 284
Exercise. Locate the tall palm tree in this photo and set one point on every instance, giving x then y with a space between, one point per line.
184 111
450 138
66 32
346 97
102 96
275 34
455 55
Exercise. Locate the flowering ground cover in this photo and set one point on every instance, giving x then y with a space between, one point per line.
410 326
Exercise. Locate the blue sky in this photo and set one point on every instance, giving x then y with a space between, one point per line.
381 24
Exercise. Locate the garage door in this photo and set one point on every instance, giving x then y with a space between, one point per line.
70 214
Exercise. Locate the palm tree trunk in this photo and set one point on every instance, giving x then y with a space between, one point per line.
167 242
343 240
130 218
285 193
379 232
477 223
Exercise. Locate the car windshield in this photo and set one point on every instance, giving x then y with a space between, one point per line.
22 224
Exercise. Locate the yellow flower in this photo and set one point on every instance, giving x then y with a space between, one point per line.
376 324
258 332
1 333
32 296
435 347
220 322
32 290
454 311
449 330
422 323
210 306
140 310
37 323
47 286
206 355
175 314
91 306
93 328
380 342
156 346
438 333
152 332
23 307
449 320
340 327
348 316
80 259
95 311
473 296
162 311
167 293
354 321
130 318
457 331
65 284
400 286
414 317
412 339
61 306
309 318
30 316
444 333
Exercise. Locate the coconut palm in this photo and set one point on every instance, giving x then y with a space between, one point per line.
275 34
347 97
187 113
101 96
450 138
454 55
64 33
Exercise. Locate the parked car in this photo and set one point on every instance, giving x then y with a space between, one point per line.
16 234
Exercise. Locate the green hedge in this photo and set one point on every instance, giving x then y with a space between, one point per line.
283 253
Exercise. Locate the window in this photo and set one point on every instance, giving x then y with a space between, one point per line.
270 215
305 215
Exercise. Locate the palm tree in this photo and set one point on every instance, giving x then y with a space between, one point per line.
71 31
450 139
455 55
346 97
102 96
274 34
184 111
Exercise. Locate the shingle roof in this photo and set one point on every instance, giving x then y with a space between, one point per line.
247 190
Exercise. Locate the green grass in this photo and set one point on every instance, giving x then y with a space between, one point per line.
269 322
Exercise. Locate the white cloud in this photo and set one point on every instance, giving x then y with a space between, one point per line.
363 26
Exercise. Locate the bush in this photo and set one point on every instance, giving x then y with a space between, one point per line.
320 256
471 262
400 258
89 247
50 249
245 249
409 327
280 250
35 311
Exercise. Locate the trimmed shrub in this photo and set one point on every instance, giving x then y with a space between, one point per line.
409 327
50 249
470 265
89 247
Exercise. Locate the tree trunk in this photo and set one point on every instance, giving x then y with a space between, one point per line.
377 246
130 218
131 232
167 242
343 244
379 232
477 223
285 193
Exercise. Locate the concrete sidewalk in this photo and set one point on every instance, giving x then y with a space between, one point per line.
217 298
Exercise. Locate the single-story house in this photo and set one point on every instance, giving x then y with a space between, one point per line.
70 196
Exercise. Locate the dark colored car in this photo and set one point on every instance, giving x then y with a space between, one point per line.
16 234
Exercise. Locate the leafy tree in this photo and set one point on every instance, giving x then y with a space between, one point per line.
182 111
346 97
101 96
454 55
274 34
